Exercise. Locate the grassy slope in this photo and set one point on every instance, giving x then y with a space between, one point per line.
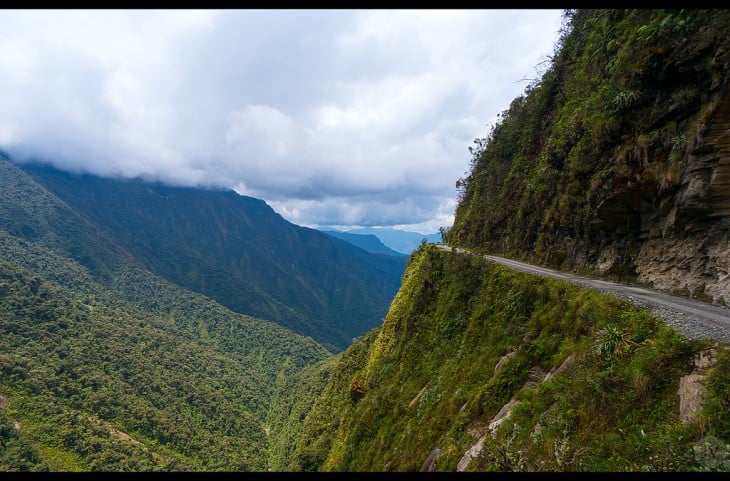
428 380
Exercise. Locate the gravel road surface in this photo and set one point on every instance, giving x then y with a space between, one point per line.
695 319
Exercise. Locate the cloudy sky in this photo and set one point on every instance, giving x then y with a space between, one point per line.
336 118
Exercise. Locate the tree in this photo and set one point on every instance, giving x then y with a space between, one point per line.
444 231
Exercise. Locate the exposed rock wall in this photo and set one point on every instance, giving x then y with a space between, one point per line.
618 161
691 389
684 243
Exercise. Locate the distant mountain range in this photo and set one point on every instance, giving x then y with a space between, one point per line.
232 248
368 242
402 241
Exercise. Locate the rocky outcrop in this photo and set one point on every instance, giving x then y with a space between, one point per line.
618 161
691 389
681 236
429 465
477 428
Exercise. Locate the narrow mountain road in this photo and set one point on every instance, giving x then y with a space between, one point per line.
695 319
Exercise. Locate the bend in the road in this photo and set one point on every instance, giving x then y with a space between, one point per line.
692 317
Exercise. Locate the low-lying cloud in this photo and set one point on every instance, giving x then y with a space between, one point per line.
334 117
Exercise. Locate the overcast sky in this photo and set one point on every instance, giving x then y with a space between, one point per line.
336 118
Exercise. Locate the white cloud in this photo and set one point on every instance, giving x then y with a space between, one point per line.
357 117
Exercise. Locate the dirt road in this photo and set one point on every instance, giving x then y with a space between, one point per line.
695 319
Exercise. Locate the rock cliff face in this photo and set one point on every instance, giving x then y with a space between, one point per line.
683 242
676 238
618 160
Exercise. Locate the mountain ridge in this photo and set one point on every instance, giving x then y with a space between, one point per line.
401 241
613 162
239 251
616 160
368 242
107 367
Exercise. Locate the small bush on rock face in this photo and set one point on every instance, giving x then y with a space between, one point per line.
357 388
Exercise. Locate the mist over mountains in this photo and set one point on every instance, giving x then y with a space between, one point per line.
236 250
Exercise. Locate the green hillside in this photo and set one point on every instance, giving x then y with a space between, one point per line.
121 348
614 162
107 367
593 383
190 388
597 150
239 252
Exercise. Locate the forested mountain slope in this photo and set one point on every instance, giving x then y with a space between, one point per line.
239 252
105 366
614 161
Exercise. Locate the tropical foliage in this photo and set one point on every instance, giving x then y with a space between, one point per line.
593 381
107 367
603 133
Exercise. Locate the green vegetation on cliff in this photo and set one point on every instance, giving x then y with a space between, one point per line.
595 382
600 140
108 366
